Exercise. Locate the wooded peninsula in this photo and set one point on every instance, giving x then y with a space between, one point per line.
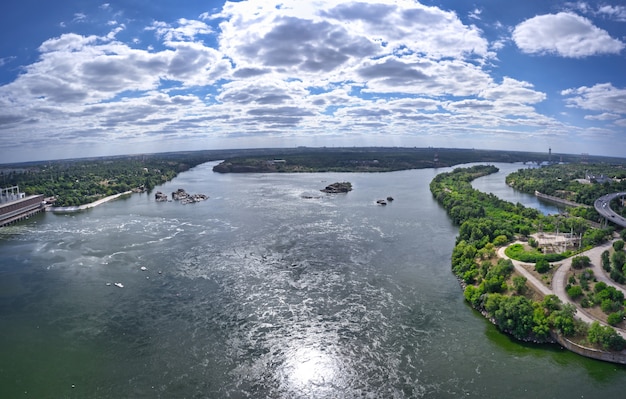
491 283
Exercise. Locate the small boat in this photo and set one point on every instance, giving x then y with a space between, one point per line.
119 285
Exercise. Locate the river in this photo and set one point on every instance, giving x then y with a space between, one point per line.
269 288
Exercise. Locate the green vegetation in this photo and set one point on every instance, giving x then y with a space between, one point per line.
490 283
615 263
517 252
373 159
77 182
80 181
542 266
581 262
580 183
606 337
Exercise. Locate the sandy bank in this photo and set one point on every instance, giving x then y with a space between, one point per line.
70 209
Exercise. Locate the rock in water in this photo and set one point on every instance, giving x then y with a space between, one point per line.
335 188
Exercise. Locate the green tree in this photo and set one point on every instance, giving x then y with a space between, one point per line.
600 286
500 240
618 259
580 262
563 321
575 291
542 266
614 318
512 314
606 337
618 245
606 261
519 284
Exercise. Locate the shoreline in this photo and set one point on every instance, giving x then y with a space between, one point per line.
72 209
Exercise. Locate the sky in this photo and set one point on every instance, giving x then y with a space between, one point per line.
86 78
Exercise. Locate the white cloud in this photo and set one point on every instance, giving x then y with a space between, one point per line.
617 13
326 42
513 90
606 116
183 30
79 17
475 14
84 70
603 97
565 34
279 68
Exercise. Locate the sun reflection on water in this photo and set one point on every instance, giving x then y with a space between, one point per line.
311 370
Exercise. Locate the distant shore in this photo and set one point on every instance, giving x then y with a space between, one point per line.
70 209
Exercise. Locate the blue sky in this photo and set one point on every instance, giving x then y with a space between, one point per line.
84 78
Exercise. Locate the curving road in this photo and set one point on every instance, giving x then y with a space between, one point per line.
603 206
559 280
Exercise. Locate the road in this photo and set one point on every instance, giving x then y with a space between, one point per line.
603 206
559 280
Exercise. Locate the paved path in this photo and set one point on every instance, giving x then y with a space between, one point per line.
559 280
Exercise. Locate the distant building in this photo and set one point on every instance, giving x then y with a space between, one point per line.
598 179
10 194
277 161
15 205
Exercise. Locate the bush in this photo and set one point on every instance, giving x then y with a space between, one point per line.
580 262
574 291
542 266
617 276
614 318
606 261
517 252
608 306
605 336
500 240
601 286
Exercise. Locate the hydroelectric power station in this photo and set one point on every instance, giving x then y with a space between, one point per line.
16 205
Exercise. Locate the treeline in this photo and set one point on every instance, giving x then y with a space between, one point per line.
491 287
80 182
369 159
570 181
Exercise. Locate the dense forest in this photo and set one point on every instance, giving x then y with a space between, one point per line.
580 183
373 159
77 182
491 285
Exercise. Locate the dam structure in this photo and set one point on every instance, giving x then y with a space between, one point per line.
16 205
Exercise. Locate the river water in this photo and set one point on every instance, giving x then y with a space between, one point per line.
269 289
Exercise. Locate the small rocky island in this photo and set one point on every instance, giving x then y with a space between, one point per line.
335 188
180 195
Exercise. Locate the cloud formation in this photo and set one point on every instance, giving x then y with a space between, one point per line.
602 97
292 71
565 34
